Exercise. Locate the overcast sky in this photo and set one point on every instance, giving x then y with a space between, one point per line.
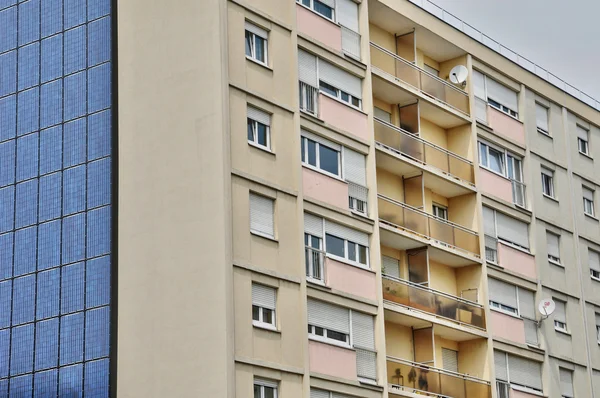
562 36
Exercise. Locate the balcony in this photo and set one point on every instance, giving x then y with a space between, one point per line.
418 225
397 80
414 378
401 143
434 302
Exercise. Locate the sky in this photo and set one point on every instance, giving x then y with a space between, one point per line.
561 36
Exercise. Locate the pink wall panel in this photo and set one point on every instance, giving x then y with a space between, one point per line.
521 394
516 261
343 117
324 188
506 125
319 28
495 185
331 360
507 327
350 279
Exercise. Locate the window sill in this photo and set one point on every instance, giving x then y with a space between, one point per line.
591 216
316 282
594 278
262 148
349 262
587 155
264 236
513 246
330 342
527 390
556 263
342 102
324 172
544 133
550 197
265 326
511 314
562 331
257 62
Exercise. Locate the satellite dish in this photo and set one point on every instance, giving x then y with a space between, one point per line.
458 74
546 307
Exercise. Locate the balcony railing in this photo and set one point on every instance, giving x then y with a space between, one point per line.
418 78
309 99
412 377
402 216
357 198
432 301
518 193
350 42
406 144
314 263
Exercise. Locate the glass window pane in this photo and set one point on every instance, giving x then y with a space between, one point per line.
496 161
249 43
260 45
250 130
329 89
352 251
362 254
269 392
257 391
262 134
315 242
483 158
312 153
328 160
336 335
255 313
335 245
344 96
267 315
323 9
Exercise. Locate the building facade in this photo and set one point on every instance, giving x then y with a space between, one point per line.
319 198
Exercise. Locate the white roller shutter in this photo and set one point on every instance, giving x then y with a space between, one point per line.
500 365
382 115
347 14
479 85
340 79
489 222
366 364
330 3
450 360
355 167
314 393
582 133
502 94
363 334
512 230
358 191
256 30
560 311
328 316
552 240
347 233
566 382
258 115
597 319
261 214
307 68
321 140
525 372
313 225
391 266
588 194
263 296
594 260
502 292
541 116
526 303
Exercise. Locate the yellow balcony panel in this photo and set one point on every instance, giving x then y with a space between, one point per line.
411 379
430 301
406 154
404 227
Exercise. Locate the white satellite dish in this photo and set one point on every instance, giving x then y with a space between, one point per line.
459 74
546 307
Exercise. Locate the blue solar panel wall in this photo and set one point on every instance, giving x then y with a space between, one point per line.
55 198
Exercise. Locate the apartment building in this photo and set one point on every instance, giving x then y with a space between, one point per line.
275 199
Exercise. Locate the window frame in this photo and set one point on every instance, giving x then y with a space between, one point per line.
339 94
552 259
502 108
585 143
505 159
548 174
505 308
312 334
311 6
590 202
253 44
308 243
254 141
346 257
437 209
317 166
263 383
260 233
561 326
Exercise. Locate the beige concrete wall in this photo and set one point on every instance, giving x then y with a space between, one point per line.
399 341
470 277
460 142
390 185
462 210
440 343
442 278
473 358
433 133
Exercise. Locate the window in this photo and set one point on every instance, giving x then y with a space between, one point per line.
588 201
541 118
450 360
491 158
339 94
508 230
265 388
263 306
259 123
496 94
328 334
262 215
518 371
440 211
324 8
553 244
566 382
597 316
432 70
503 296
256 43
594 263
548 182
321 154
380 114
313 258
583 140
560 316
346 249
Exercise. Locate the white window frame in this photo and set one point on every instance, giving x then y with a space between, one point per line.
259 233
549 175
339 95
583 144
263 383
589 203
310 276
317 166
552 259
347 243
560 326
502 108
595 274
311 7
440 211
505 308
253 45
254 141
506 158
540 129
312 333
